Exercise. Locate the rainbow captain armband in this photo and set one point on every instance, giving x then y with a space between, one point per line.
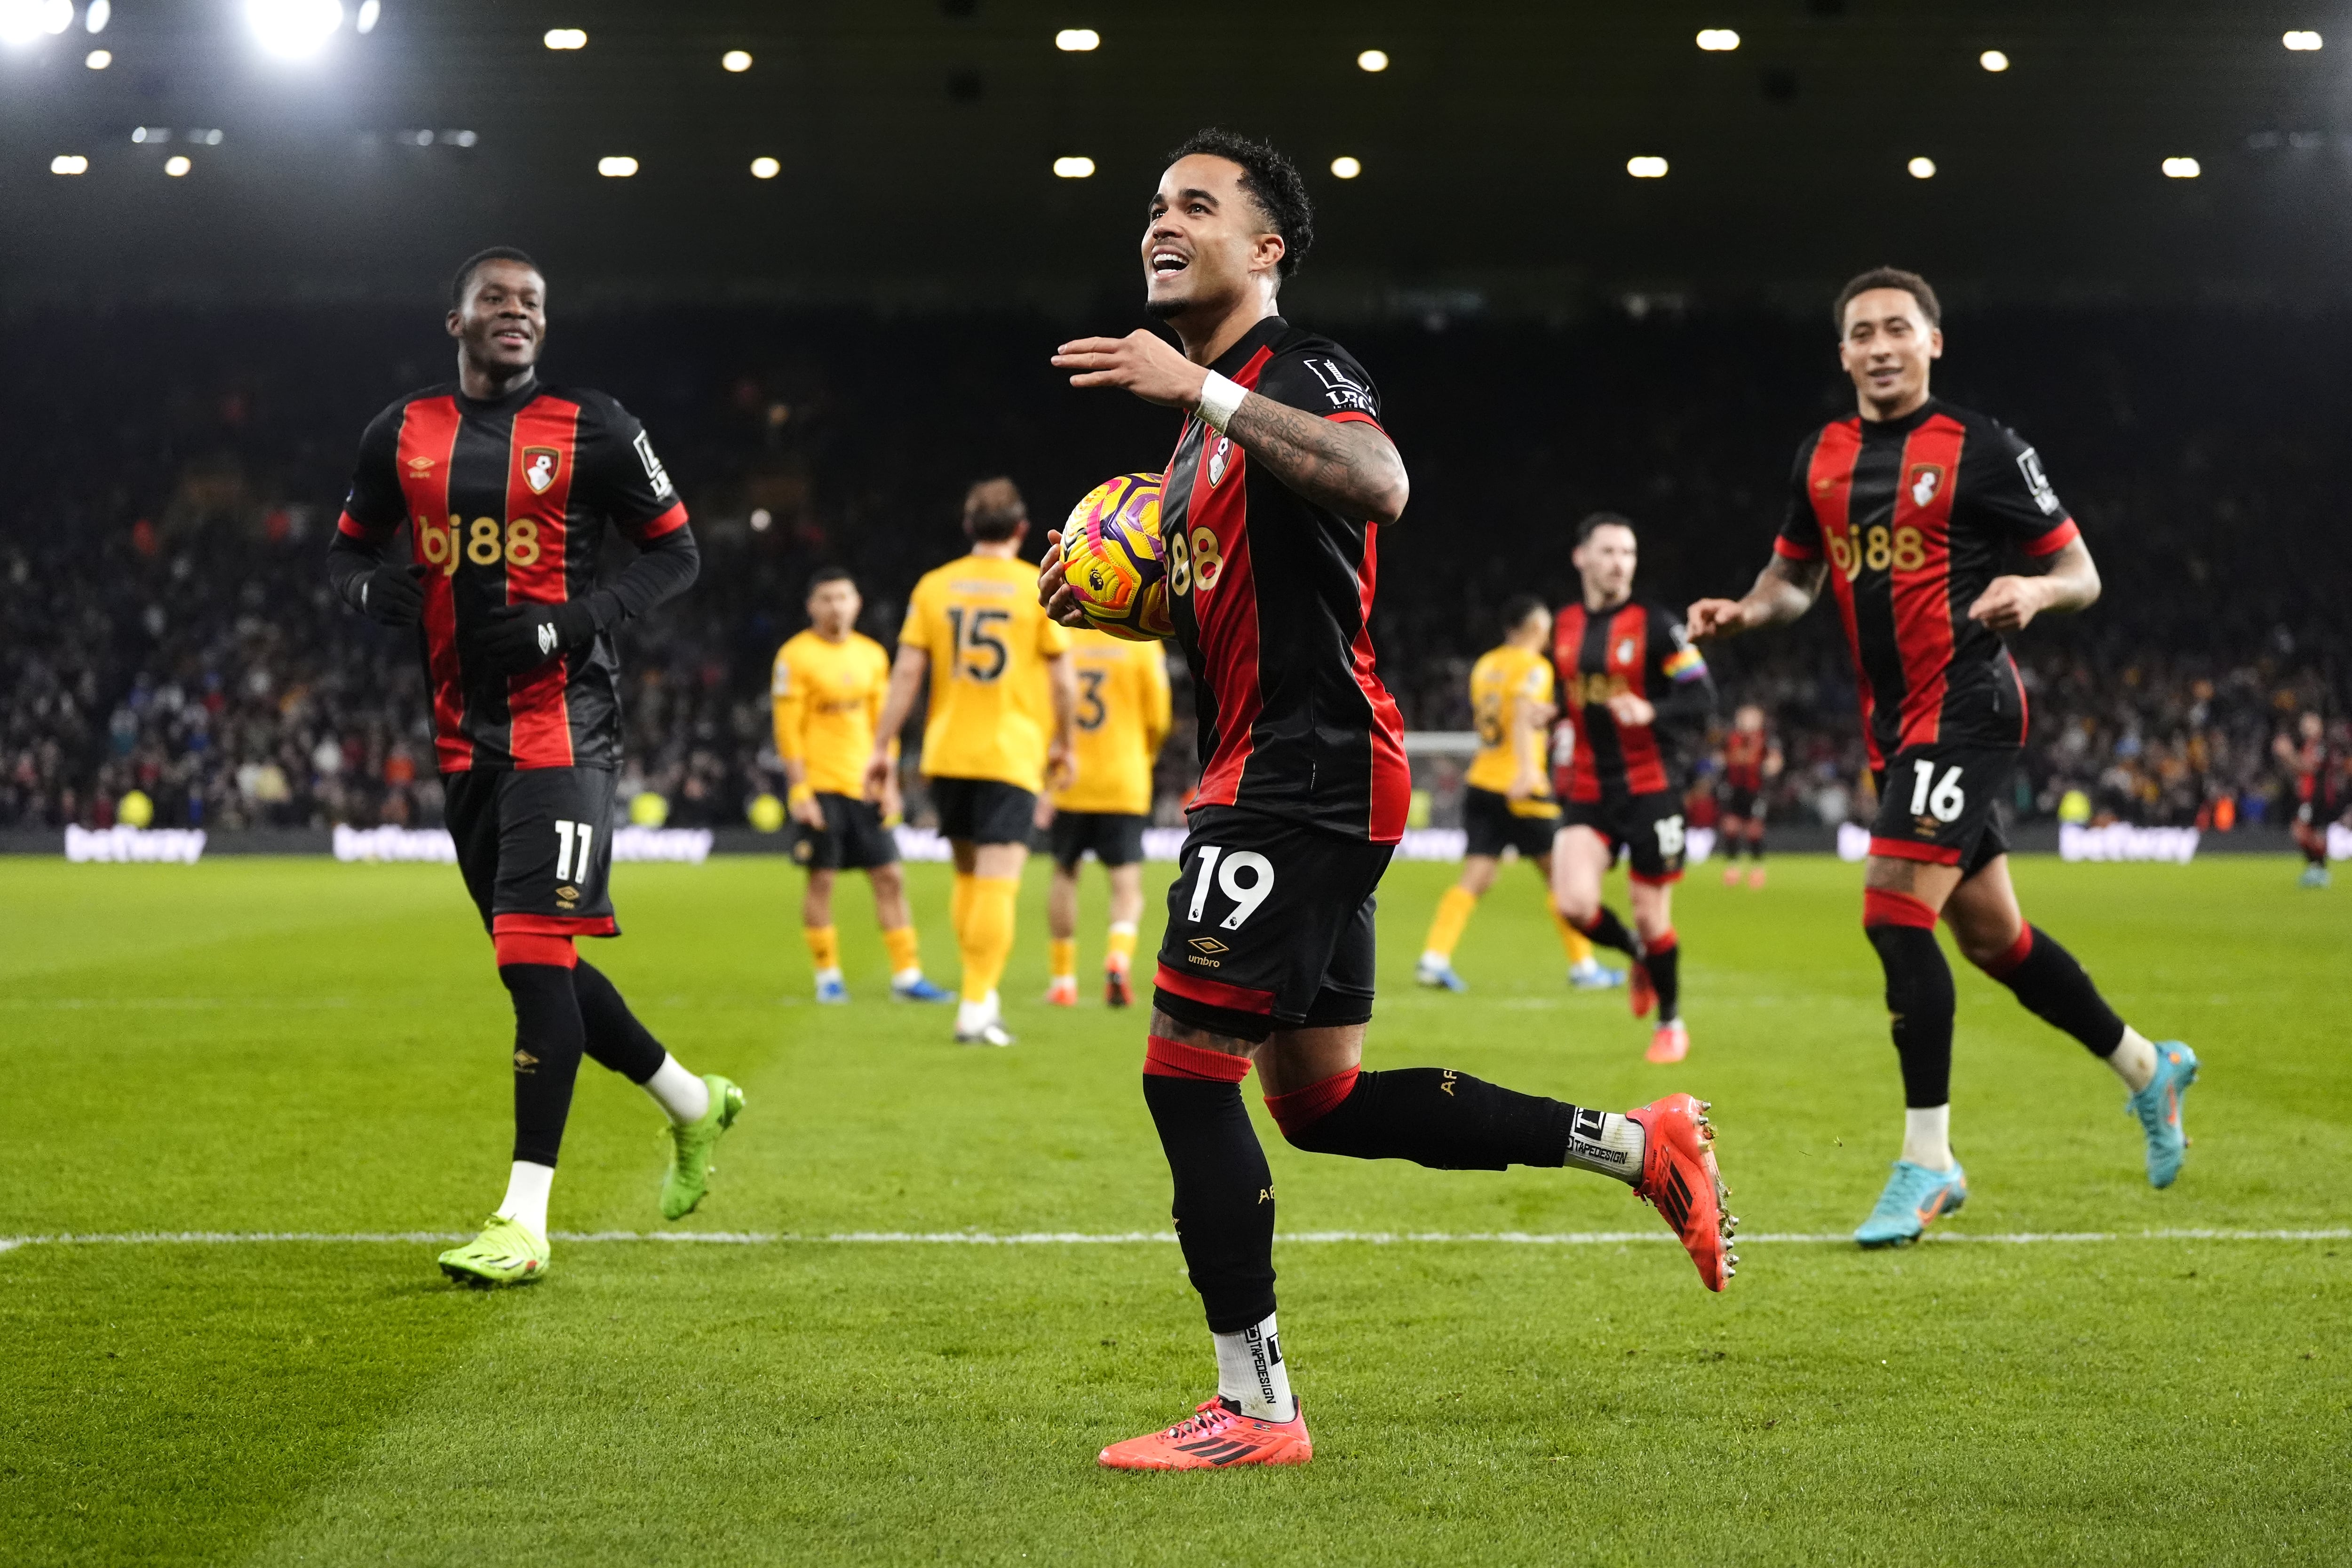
1684 664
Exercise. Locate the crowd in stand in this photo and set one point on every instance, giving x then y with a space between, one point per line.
169 636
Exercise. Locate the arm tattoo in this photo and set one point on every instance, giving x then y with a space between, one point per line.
1787 588
1348 466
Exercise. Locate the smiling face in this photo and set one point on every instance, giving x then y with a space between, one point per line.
502 321
1207 244
1886 348
1607 561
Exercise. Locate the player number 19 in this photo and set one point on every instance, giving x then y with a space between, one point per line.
1941 801
1246 897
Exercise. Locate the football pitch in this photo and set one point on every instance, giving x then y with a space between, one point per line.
932 1281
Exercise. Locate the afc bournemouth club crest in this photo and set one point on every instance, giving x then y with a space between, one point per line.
539 467
1925 482
1220 457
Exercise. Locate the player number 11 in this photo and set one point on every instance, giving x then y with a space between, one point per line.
571 841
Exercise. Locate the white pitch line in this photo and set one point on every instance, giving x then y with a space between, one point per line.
1132 1238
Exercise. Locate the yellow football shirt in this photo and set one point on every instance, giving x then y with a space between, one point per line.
988 640
827 697
1122 719
1500 682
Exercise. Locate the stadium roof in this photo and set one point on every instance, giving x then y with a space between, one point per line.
915 144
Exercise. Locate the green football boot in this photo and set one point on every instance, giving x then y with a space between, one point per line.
506 1253
691 1142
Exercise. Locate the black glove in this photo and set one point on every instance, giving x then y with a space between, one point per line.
523 636
390 596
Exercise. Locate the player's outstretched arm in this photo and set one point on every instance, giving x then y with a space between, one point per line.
1349 466
1784 590
2070 583
906 681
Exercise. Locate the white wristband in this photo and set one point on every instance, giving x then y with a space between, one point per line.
1220 399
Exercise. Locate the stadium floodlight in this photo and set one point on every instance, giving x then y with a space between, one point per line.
1922 168
293 30
1345 167
2182 168
737 60
1078 41
151 135
23 21
1993 61
566 38
1374 61
99 59
1646 167
99 13
1718 40
2303 41
616 168
177 165
69 164
370 12
1074 168
766 168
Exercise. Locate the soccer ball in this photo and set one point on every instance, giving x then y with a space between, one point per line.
1115 562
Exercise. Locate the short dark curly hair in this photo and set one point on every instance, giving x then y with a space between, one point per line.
1910 283
1273 182
476 262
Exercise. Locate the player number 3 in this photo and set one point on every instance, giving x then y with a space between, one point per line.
1246 895
1943 801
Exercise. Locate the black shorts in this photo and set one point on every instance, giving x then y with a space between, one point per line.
535 846
1939 804
1748 804
1269 926
1650 826
1115 837
1494 827
985 811
852 838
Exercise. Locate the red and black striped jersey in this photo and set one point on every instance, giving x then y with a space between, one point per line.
507 502
1915 516
1272 601
1743 758
1639 649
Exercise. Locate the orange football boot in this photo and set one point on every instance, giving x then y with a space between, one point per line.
1756 878
1731 874
1214 1435
1118 990
1062 990
1669 1042
1639 993
1679 1176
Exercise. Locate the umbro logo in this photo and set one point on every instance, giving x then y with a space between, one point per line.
1209 945
546 637
418 465
524 1061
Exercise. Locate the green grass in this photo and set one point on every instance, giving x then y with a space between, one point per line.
283 1046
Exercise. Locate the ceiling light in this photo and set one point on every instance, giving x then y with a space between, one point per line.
204 138
1993 61
766 168
99 13
566 38
735 61
2302 40
176 166
1346 168
1372 60
616 168
1922 168
1078 41
2182 168
1646 168
98 60
293 30
371 12
1074 168
69 164
1718 40
459 138
22 21
151 134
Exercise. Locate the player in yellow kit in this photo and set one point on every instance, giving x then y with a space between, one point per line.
1507 800
1003 695
827 691
1122 718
